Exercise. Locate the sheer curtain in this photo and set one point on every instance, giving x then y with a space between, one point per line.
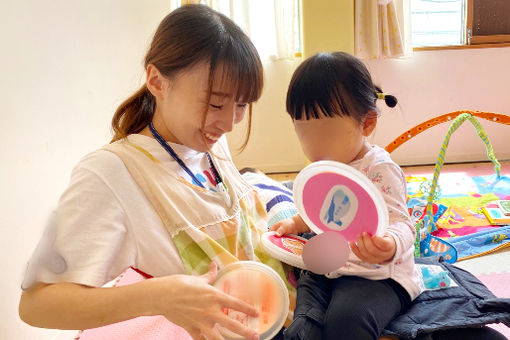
272 25
382 29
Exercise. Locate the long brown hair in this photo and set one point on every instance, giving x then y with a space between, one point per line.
186 37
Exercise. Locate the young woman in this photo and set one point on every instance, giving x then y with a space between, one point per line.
164 197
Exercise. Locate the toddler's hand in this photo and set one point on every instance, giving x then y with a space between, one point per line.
374 249
294 225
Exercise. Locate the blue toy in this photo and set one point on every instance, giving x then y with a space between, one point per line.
435 280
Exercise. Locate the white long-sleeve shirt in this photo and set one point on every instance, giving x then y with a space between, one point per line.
389 178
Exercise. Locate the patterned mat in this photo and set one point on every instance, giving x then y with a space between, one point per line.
457 210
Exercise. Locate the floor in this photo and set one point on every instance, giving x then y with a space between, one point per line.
491 268
474 169
492 263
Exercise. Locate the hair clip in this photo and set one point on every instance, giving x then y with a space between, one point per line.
381 95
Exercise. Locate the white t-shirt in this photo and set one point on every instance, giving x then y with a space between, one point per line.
104 223
197 162
390 180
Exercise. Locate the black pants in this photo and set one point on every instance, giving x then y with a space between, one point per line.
354 308
348 307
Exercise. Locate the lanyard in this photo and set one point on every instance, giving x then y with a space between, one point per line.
172 153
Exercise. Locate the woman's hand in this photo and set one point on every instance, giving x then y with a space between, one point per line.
192 303
188 301
294 225
374 249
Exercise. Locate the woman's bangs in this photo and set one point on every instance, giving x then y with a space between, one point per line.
241 73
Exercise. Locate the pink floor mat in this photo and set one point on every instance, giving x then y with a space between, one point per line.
141 328
157 327
499 285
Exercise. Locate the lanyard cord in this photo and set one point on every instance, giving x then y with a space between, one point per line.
172 153
215 172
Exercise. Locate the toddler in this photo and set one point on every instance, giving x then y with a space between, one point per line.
332 102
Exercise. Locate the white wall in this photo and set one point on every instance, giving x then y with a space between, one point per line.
428 84
431 83
273 145
67 65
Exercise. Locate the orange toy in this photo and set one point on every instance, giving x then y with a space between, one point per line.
494 117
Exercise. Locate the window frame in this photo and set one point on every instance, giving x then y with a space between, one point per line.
477 41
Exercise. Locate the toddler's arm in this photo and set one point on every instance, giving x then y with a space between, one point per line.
400 233
294 225
374 249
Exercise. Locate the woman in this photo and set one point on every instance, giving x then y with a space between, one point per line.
164 197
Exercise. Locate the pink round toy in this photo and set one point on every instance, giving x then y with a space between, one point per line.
338 200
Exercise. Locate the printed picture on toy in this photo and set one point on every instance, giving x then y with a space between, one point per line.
339 208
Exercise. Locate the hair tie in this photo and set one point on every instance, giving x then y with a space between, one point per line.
389 99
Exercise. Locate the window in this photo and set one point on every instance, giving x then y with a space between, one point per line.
273 26
459 22
437 23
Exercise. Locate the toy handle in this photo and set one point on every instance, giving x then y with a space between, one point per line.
441 157
447 117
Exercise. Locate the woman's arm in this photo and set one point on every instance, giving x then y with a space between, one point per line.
188 301
74 306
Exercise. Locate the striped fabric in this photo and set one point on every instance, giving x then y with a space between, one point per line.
278 199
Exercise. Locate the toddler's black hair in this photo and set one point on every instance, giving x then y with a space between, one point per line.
333 84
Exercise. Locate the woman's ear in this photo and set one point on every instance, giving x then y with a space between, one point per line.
369 123
156 82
